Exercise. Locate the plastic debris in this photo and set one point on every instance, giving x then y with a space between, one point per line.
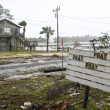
74 94
74 91
23 107
27 103
89 98
3 106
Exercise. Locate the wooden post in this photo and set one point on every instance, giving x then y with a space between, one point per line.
62 56
86 96
87 87
28 48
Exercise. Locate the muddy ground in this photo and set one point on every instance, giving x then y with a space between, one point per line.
22 79
22 64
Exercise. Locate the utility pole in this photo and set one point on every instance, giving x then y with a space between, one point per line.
58 8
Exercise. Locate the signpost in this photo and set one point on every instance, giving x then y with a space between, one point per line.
90 69
76 42
62 55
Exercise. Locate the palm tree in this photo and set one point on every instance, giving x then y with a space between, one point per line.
47 30
23 23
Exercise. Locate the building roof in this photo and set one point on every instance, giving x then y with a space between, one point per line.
10 22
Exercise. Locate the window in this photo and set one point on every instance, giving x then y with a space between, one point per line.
7 31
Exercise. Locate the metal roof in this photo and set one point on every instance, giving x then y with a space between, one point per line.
10 22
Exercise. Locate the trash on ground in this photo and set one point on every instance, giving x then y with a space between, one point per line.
27 103
77 103
3 106
59 105
23 107
37 84
89 98
74 91
74 94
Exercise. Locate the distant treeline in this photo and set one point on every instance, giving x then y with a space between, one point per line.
67 39
73 39
39 39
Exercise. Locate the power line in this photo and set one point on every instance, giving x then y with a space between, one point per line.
66 24
76 18
52 22
77 26
36 20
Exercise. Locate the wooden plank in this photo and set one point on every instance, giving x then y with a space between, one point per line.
89 68
101 68
76 63
89 77
88 83
88 71
98 55
92 60
80 52
97 61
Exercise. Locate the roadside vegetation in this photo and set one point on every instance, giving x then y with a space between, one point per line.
25 52
43 90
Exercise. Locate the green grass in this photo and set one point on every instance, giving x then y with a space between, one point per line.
19 91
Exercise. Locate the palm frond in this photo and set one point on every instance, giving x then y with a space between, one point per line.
45 29
23 23
42 32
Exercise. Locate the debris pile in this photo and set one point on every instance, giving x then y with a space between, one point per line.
59 105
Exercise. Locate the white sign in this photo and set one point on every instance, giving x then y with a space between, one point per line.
89 68
35 43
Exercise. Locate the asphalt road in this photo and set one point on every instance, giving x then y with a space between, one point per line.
11 65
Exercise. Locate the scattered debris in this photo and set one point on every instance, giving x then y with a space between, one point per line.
74 91
27 103
37 106
77 103
89 98
59 105
48 75
3 106
56 56
37 84
74 94
23 107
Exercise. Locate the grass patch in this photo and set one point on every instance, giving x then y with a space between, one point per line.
45 89
5 62
25 52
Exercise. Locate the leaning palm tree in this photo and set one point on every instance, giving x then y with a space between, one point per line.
23 23
47 30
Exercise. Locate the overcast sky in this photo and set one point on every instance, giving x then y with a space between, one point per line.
76 17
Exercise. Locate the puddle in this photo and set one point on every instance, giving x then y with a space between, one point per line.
41 61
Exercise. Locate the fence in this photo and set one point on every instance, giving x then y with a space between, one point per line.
65 47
